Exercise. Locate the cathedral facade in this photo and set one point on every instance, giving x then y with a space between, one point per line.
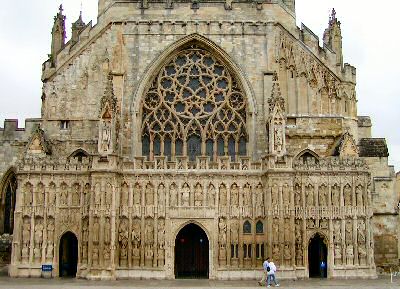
194 139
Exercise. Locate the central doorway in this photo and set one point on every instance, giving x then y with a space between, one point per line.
68 255
191 253
317 252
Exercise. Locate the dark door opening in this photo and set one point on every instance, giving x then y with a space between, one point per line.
191 253
317 253
68 255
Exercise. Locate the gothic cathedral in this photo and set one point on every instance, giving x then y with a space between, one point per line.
192 139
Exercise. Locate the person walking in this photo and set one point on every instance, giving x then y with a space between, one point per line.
271 274
263 280
322 268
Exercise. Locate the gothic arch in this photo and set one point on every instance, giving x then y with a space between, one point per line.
181 226
8 191
162 60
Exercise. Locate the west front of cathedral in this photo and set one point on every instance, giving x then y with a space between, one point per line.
192 139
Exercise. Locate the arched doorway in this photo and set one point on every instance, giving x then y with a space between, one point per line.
191 253
68 255
7 205
317 252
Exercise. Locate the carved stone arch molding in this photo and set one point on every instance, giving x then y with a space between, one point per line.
323 235
164 58
8 191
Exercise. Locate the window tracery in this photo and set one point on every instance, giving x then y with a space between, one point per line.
194 107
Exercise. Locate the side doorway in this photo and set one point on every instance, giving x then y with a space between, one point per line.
317 253
68 255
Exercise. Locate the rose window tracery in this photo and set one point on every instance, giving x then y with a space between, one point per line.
194 107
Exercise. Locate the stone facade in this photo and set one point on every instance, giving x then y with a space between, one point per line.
221 114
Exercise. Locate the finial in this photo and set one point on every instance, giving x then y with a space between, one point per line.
333 16
61 9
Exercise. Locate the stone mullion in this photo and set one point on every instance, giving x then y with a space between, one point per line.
142 224
113 215
304 224
316 204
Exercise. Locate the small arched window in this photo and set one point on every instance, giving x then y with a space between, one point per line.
79 155
259 227
246 227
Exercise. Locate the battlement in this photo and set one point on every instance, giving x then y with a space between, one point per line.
11 131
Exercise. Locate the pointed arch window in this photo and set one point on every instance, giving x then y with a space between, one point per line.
246 227
7 206
194 107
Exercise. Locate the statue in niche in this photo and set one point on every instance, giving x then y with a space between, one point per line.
105 135
211 195
361 232
298 233
28 195
347 195
338 254
276 251
137 194
124 197
349 232
198 195
362 255
149 234
234 195
278 139
161 196
51 199
311 224
49 251
50 230
95 256
39 234
149 195
323 196
235 232
76 196
285 194
96 230
106 253
222 195
84 253
107 231
287 231
108 194
97 195
359 196
337 233
350 254
247 196
299 254
85 231
185 197
123 242
40 195
173 196
275 231
259 195
287 254
222 231
275 194
310 195
64 195
323 224
161 235
297 195
136 234
335 195
86 196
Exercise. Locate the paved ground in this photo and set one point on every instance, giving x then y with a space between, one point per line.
37 283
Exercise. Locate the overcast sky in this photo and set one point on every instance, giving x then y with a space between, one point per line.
370 39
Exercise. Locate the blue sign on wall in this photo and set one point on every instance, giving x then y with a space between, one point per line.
47 268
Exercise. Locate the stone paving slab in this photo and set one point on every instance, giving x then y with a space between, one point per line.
37 283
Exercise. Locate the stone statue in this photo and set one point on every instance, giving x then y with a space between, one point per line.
338 254
287 254
222 195
361 232
275 194
64 195
323 196
287 231
49 251
350 254
349 232
86 196
109 195
149 233
185 197
105 136
299 254
285 194
96 230
95 256
51 199
198 195
359 196
362 255
40 195
107 231
298 233
161 196
347 195
161 235
259 196
275 231
234 195
335 195
136 234
97 195
310 195
106 254
38 234
173 196
234 232
137 194
276 251
278 137
211 195
337 232
297 195
149 195
222 231
28 195
50 230
76 198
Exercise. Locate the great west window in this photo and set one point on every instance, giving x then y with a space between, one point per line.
194 107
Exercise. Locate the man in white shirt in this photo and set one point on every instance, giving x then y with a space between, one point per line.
264 276
271 275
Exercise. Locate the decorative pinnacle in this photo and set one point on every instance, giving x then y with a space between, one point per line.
332 18
61 9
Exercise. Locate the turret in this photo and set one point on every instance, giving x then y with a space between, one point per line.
333 37
77 28
291 4
58 34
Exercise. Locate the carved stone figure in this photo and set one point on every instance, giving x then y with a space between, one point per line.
287 231
198 195
136 234
310 195
107 231
259 196
347 195
108 195
161 234
49 251
51 199
276 251
338 254
97 195
350 254
299 254
105 136
149 233
95 256
222 231
149 194
185 197
137 194
161 196
124 197
275 194
50 230
337 232
335 195
76 196
222 195
85 231
362 255
63 195
86 196
361 232
28 196
349 232
297 195
285 194
323 196
211 195
39 234
106 254
234 232
96 230
359 196
234 195
40 195
298 234
275 231
173 196
287 254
